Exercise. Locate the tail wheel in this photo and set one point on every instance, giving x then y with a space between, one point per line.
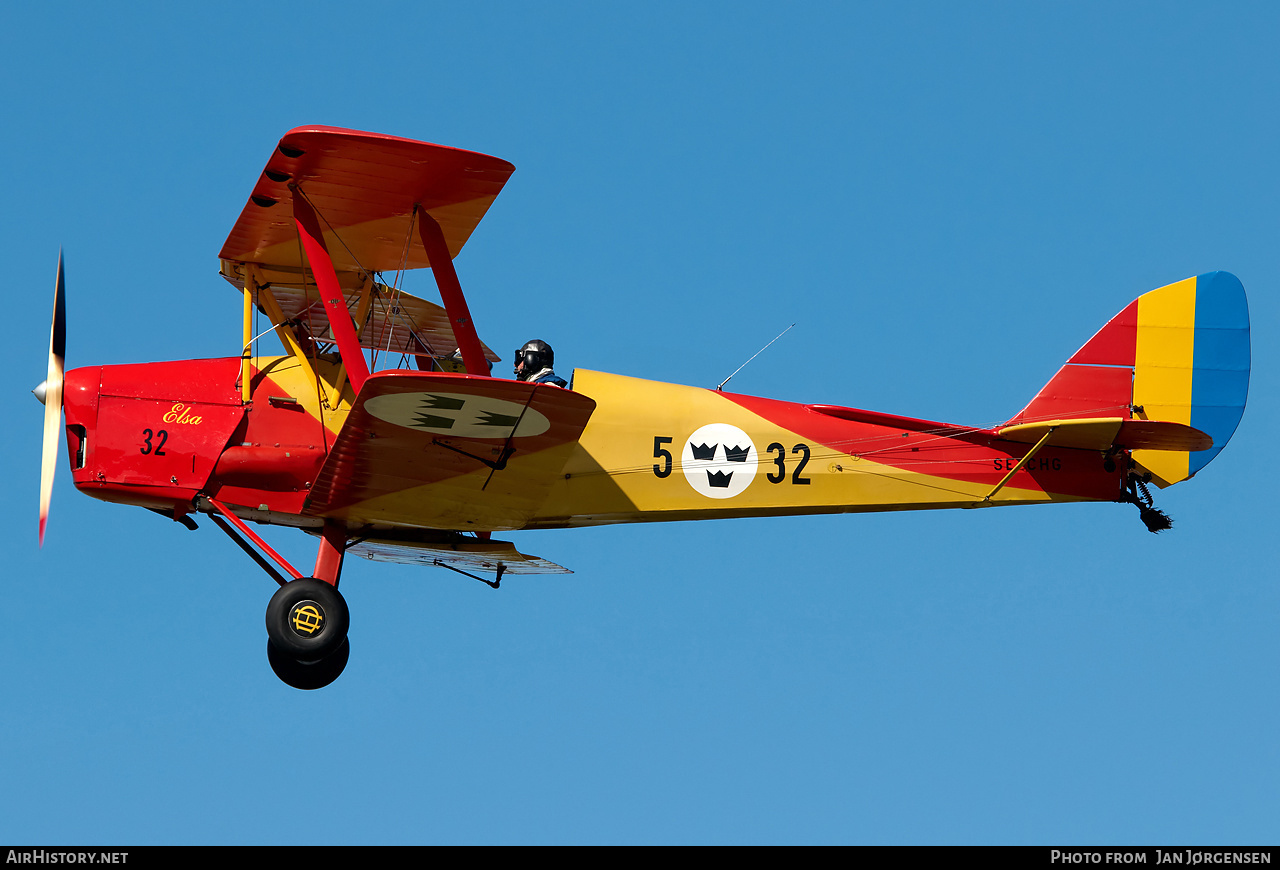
309 675
307 620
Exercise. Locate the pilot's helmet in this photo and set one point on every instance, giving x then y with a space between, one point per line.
536 356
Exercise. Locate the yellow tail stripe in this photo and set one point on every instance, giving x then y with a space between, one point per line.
1165 357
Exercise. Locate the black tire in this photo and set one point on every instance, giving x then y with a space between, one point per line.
308 675
307 620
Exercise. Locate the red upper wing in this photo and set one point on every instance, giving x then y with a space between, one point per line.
364 187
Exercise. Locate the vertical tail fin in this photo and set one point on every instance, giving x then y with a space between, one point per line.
1177 354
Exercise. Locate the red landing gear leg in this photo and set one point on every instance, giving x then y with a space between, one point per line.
333 545
307 620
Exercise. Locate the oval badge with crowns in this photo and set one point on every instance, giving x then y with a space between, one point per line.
719 460
464 415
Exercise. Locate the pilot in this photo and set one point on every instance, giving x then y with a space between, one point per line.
533 364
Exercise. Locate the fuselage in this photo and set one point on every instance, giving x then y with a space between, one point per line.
164 435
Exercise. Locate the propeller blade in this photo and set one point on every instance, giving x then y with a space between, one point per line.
53 397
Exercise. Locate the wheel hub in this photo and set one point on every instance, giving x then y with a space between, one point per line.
306 618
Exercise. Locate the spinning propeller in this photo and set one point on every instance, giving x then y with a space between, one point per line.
50 393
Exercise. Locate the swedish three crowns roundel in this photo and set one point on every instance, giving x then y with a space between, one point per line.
719 460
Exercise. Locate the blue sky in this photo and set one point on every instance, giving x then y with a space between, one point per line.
947 199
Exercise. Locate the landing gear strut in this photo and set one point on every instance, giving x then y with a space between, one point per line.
307 618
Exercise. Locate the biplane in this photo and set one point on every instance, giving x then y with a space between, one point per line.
382 430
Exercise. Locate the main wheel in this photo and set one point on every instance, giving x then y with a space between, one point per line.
309 675
307 620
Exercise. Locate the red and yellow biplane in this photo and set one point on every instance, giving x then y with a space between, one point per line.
422 464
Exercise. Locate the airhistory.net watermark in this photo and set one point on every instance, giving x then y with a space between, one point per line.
43 856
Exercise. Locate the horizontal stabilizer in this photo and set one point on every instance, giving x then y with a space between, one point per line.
1103 433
